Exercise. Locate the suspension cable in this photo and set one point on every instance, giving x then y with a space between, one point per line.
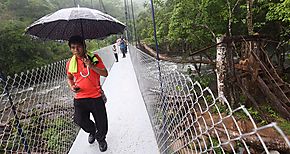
126 16
164 117
155 37
135 35
102 6
75 3
129 21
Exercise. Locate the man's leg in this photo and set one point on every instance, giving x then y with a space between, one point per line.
100 116
125 49
123 52
116 56
82 118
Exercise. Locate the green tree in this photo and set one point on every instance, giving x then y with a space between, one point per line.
279 13
188 25
19 53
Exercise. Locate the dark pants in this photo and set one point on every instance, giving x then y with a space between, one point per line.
116 56
125 49
96 106
123 52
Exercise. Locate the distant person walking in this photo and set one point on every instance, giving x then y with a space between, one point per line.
123 47
115 52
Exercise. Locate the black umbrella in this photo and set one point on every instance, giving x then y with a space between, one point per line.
64 23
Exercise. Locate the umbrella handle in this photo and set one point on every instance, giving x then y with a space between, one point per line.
84 76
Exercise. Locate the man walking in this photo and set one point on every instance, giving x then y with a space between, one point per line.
83 76
123 47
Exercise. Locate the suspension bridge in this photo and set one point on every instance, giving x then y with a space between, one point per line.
147 114
152 108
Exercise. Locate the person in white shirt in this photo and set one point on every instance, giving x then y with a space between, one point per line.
115 52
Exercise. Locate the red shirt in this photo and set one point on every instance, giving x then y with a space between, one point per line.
89 86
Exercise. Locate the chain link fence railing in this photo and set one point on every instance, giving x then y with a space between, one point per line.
188 118
36 109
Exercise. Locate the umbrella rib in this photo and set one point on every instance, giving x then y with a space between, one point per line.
82 28
40 29
64 29
115 27
51 30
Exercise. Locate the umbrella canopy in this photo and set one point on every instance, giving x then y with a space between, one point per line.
64 23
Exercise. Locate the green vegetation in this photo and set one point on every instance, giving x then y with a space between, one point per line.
185 26
285 126
10 145
19 53
265 116
215 144
54 132
54 135
204 80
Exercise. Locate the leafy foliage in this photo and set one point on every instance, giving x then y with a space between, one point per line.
184 26
53 137
279 11
19 52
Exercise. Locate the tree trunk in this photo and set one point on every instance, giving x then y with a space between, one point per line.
250 17
221 66
231 11
230 19
230 75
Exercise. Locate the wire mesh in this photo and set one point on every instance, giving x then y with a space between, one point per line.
37 109
188 118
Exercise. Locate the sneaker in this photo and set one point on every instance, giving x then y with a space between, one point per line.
91 138
103 145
